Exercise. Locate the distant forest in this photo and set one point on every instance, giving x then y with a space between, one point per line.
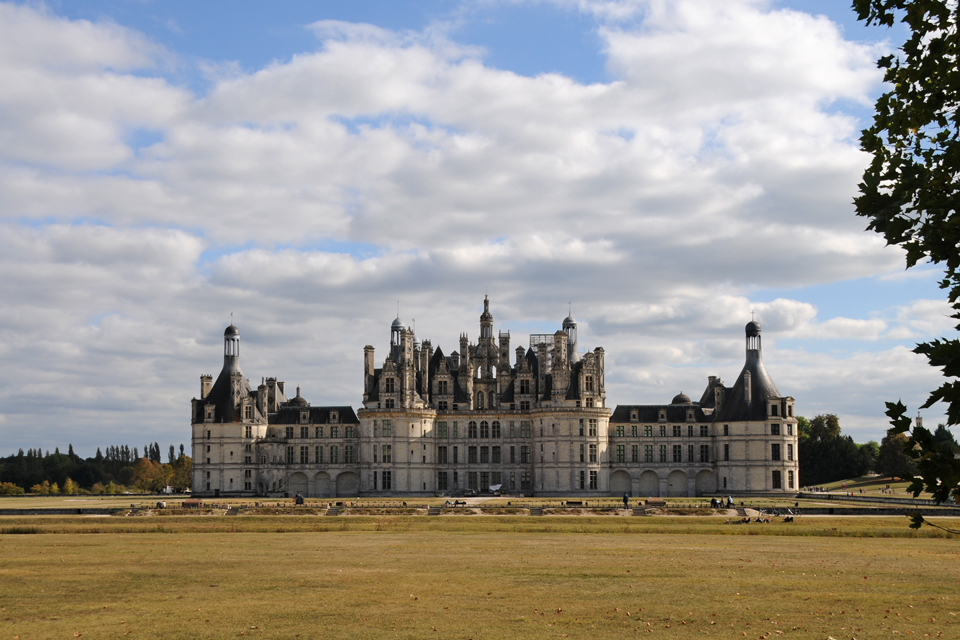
121 468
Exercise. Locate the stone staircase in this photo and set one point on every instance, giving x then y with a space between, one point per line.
741 512
332 511
433 511
536 511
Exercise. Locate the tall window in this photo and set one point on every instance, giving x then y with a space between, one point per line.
389 385
726 452
479 399
387 477
726 429
775 479
456 459
774 451
441 429
690 430
513 452
387 430
334 431
348 431
386 453
592 423
524 387
471 455
441 480
677 453
582 449
633 430
304 455
524 454
526 484
442 387
690 453
484 429
663 431
485 455
248 432
289 455
304 432
582 480
648 431
789 429
593 453
334 454
581 426
775 429
676 431
289 432
588 383
704 453
663 453
634 453
621 453
472 429
495 430
619 431
704 431
495 456
493 399
318 432
525 426
789 479
389 403
589 402
593 480
441 455
349 455
790 453
648 453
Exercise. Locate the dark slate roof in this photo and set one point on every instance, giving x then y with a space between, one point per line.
435 361
735 407
459 393
373 383
650 413
708 400
573 391
318 415
508 393
221 396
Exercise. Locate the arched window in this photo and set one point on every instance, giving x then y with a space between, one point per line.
472 429
496 429
484 429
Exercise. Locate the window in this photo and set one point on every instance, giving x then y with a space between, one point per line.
726 453
621 453
524 405
648 431
304 416
496 478
690 453
456 431
456 458
633 416
493 399
349 454
289 432
479 397
472 480
648 453
304 455
525 482
389 403
589 402
389 385
247 459
484 480
704 453
334 417
441 455
726 429
348 431
484 429
677 453
776 479
442 405
676 431
689 430
593 453
790 454
495 430
513 431
441 480
774 429
704 431
775 451
582 449
524 387
248 432
386 453
471 455
524 454
513 456
592 424
789 479
248 413
582 479
525 426
663 453
484 455
334 454
442 388
289 455
334 431
263 459
387 477
634 430
588 383
593 480
635 453
774 410
319 431
619 431
387 430
581 426
304 432
789 429
208 448
472 429
663 431
495 456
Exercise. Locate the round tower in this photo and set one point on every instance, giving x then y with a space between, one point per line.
231 348
570 328
753 335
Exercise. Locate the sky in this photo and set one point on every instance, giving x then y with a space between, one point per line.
664 170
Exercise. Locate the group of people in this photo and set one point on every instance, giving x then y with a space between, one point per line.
718 503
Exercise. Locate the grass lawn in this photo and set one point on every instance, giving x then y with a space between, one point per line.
491 577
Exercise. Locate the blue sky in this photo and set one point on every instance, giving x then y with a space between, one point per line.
668 168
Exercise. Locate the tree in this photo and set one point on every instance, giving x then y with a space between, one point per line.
910 194
826 455
944 437
891 460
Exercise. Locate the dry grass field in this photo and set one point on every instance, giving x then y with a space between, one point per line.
474 577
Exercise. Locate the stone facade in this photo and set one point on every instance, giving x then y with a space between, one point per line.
535 423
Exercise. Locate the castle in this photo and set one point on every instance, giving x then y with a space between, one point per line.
432 423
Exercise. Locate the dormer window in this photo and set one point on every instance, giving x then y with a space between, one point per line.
334 417
589 402
443 388
633 416
662 415
389 385
208 412
689 415
588 383
389 403
774 410
524 387
304 417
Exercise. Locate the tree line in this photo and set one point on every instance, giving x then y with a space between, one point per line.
121 468
826 455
